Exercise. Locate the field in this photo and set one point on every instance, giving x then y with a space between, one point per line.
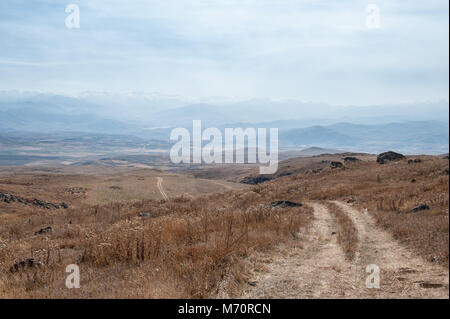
214 237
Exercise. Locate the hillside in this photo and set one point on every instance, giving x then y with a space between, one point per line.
257 241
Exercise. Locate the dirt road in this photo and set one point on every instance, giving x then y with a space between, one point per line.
161 189
316 267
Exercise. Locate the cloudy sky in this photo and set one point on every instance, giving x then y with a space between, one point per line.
311 50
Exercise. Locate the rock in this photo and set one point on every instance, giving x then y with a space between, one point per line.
413 180
284 204
445 172
390 156
45 230
8 198
24 264
350 159
254 180
116 187
147 215
41 204
416 160
336 165
435 259
421 206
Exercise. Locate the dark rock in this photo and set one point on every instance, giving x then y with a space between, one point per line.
283 204
8 198
445 172
41 204
285 174
24 264
45 230
350 159
336 165
416 160
421 206
254 180
147 215
435 259
333 233
390 156
413 180
116 187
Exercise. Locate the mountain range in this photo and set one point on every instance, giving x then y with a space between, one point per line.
420 127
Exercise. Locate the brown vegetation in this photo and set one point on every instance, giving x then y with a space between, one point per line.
193 248
197 247
347 233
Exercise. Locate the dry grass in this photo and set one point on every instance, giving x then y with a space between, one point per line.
197 247
194 248
347 233
389 192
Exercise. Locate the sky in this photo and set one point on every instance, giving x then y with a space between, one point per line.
312 50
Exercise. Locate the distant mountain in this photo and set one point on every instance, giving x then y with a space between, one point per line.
34 120
317 135
423 136
420 127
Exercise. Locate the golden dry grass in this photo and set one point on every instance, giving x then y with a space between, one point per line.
197 247
194 248
347 234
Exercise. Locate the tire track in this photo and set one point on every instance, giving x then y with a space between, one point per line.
319 270
316 267
161 189
403 274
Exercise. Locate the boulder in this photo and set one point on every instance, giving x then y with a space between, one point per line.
421 206
147 215
254 180
390 156
24 264
416 160
283 204
45 230
336 165
350 159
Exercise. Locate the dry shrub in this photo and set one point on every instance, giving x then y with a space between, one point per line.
347 232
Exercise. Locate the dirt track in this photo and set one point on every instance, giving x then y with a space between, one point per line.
161 189
316 267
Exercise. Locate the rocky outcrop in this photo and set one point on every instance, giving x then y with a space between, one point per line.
8 198
416 160
390 156
421 206
45 230
351 159
336 165
25 264
147 215
283 204
254 180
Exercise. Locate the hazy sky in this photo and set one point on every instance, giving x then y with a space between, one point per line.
308 50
